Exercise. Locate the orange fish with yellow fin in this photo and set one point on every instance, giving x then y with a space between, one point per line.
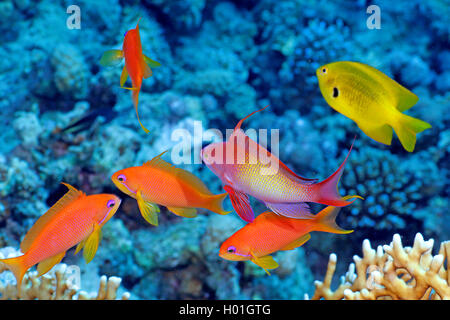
74 219
270 233
137 65
158 182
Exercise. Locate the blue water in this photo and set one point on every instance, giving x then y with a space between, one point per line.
220 61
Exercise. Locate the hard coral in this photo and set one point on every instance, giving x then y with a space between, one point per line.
56 285
392 272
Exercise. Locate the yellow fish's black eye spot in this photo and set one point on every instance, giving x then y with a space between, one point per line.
335 92
324 70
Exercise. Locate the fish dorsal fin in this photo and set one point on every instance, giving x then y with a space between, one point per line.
71 196
187 176
238 126
159 163
296 176
297 243
193 180
405 98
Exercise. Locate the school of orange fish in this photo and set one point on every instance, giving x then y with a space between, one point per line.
362 93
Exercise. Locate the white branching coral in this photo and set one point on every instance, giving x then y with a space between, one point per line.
392 272
57 284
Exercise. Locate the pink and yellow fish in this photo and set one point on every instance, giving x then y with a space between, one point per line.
246 168
137 65
270 233
75 219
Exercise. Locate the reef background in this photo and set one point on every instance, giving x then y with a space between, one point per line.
220 61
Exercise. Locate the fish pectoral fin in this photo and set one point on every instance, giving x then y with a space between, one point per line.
146 70
45 265
266 262
80 246
382 134
148 210
123 76
92 242
184 212
297 243
151 63
111 58
241 204
298 210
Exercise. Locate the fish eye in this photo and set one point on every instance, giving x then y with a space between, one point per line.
335 92
231 249
110 203
121 178
324 70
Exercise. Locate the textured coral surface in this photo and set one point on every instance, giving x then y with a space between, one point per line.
221 60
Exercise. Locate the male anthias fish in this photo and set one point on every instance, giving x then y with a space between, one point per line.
371 99
158 182
246 168
137 65
270 233
76 218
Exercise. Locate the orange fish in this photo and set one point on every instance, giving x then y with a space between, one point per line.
270 233
157 182
137 65
75 219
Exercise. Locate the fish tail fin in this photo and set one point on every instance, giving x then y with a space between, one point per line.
326 221
406 128
216 203
327 189
18 267
135 95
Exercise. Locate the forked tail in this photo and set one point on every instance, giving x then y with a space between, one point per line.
326 221
216 203
406 129
327 190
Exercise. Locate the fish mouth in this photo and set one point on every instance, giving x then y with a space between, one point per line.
111 212
123 187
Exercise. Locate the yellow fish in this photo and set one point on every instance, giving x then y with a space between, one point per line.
371 99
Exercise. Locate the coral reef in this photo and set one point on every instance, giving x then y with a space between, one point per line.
392 272
220 61
57 284
393 189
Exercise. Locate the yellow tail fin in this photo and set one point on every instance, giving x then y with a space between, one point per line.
326 221
216 203
406 129
17 267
